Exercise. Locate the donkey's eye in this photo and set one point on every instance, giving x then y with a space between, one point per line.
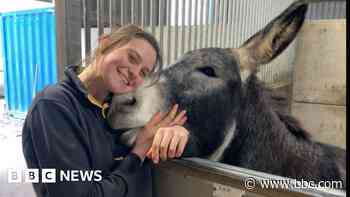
208 71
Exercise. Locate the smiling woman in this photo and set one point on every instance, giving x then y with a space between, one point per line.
128 55
65 128
120 70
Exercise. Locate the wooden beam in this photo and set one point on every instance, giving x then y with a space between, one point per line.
68 28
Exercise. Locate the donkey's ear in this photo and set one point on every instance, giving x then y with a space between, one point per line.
269 42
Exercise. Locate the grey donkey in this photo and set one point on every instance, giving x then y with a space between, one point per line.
234 120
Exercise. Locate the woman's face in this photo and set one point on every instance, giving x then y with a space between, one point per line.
124 68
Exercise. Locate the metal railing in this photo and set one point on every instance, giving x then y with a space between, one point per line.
198 174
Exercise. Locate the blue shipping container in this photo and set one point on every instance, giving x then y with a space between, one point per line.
29 56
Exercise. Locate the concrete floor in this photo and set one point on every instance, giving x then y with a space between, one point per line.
11 156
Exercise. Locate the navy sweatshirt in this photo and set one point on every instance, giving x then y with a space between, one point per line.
64 130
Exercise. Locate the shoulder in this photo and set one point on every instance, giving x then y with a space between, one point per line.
54 105
59 94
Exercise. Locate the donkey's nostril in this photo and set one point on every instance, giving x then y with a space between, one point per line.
130 101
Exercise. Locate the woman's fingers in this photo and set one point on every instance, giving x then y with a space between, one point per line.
169 142
173 146
171 119
164 145
152 134
178 118
180 122
149 153
155 119
170 116
181 145
156 145
167 134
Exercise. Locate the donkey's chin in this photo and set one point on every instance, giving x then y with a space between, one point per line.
128 137
120 121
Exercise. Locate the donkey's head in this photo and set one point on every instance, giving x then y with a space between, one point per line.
207 83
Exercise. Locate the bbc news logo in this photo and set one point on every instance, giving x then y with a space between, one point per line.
49 175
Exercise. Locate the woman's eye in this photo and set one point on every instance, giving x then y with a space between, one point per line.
133 59
208 71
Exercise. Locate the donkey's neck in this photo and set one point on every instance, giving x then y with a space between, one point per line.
262 139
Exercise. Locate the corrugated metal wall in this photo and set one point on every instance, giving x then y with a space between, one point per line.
29 51
184 25
327 10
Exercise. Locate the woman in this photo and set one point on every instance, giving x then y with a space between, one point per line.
65 127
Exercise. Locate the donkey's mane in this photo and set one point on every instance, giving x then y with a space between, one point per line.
294 126
278 103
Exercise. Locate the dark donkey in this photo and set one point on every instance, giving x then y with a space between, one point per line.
231 120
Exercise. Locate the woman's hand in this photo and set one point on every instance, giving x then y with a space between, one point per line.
159 123
169 142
